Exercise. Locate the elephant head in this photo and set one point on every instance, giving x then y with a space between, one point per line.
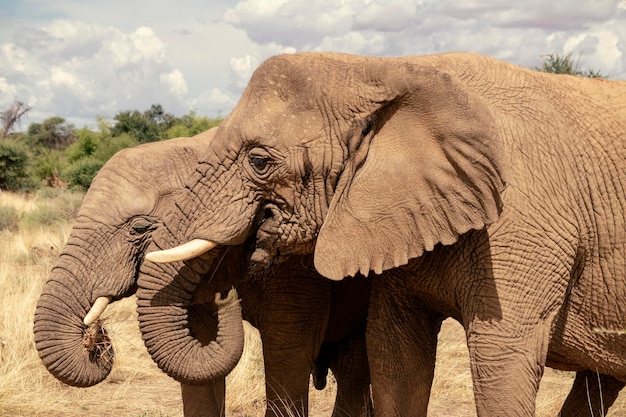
127 210
367 162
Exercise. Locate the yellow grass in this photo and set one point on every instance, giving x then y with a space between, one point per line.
136 387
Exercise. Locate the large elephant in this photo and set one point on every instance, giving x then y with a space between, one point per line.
469 187
131 203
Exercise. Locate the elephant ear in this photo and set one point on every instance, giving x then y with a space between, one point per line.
434 169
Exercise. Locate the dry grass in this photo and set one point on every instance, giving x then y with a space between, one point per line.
136 387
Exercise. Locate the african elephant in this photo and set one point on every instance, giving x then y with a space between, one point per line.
470 187
130 204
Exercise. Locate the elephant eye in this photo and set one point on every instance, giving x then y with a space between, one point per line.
260 160
141 229
140 226
259 164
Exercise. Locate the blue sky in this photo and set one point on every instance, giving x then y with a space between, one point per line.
86 59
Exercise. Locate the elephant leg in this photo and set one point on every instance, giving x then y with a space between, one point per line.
591 395
292 315
287 382
204 400
351 370
506 369
401 348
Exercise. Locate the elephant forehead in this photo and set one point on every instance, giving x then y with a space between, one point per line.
283 128
116 198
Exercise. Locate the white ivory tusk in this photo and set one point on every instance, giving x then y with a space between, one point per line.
183 252
96 310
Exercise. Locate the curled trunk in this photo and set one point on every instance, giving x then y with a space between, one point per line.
73 352
163 321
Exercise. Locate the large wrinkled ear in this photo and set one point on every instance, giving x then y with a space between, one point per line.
434 169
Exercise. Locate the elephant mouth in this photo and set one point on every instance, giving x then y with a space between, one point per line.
262 245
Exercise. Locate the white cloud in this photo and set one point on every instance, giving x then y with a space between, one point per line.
73 68
83 59
518 32
139 46
243 67
601 50
293 23
175 81
7 92
213 102
391 16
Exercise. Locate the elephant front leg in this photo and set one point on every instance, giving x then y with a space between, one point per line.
401 348
507 366
591 395
287 381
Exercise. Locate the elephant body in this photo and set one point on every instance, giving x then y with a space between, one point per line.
463 187
298 312
544 283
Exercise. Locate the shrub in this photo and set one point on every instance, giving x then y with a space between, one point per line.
86 144
14 159
47 165
9 218
109 146
80 173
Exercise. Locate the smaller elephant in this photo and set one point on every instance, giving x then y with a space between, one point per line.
125 208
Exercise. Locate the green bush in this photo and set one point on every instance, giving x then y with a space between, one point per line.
47 165
190 125
86 144
109 146
9 218
14 159
80 173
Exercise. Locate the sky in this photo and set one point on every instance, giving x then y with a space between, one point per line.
86 59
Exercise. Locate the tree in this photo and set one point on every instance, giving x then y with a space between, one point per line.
558 64
13 164
52 133
191 124
10 118
149 126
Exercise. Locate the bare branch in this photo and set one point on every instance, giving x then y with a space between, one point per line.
10 118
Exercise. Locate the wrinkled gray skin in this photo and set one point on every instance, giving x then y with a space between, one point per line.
128 207
398 168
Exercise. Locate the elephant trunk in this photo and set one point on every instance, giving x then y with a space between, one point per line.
164 324
75 353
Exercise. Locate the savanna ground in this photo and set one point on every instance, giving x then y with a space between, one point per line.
33 230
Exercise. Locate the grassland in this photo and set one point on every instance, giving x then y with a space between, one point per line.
33 230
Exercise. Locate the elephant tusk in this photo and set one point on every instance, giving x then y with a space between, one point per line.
96 310
183 252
